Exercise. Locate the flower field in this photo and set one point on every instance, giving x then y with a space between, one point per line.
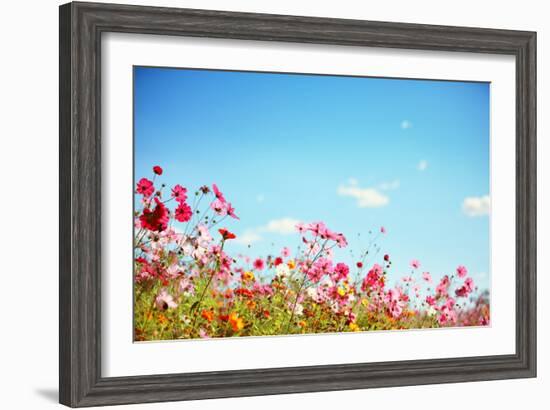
187 286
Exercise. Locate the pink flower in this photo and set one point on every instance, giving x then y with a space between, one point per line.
231 211
183 212
461 271
443 287
447 313
427 277
259 264
466 288
382 229
218 193
219 207
285 252
301 227
165 301
430 300
374 279
145 187
341 240
415 264
318 229
341 271
394 302
179 193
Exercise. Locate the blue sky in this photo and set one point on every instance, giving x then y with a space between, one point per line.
357 153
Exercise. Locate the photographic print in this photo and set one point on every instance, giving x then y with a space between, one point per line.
288 203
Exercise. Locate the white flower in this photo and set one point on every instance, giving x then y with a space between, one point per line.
326 282
298 309
187 245
173 270
312 293
282 270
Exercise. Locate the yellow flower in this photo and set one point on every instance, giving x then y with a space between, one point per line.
354 327
341 291
291 264
236 322
248 276
301 323
365 302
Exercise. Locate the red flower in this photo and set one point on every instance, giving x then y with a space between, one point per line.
259 264
386 257
244 292
156 220
359 265
157 170
183 212
226 234
145 187
278 261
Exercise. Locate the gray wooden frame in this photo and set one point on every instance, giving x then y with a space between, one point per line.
81 27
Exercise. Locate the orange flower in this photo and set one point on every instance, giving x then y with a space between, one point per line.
162 319
208 315
250 304
301 323
236 322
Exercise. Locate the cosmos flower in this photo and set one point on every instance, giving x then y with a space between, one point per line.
165 301
179 193
226 234
259 264
183 212
461 271
157 219
145 187
427 277
218 193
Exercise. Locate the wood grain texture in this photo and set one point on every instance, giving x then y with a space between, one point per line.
81 26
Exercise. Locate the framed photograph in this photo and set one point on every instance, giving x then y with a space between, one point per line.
263 204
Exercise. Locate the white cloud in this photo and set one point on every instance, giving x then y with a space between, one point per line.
366 197
477 206
248 237
387 186
406 124
353 181
422 165
282 226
